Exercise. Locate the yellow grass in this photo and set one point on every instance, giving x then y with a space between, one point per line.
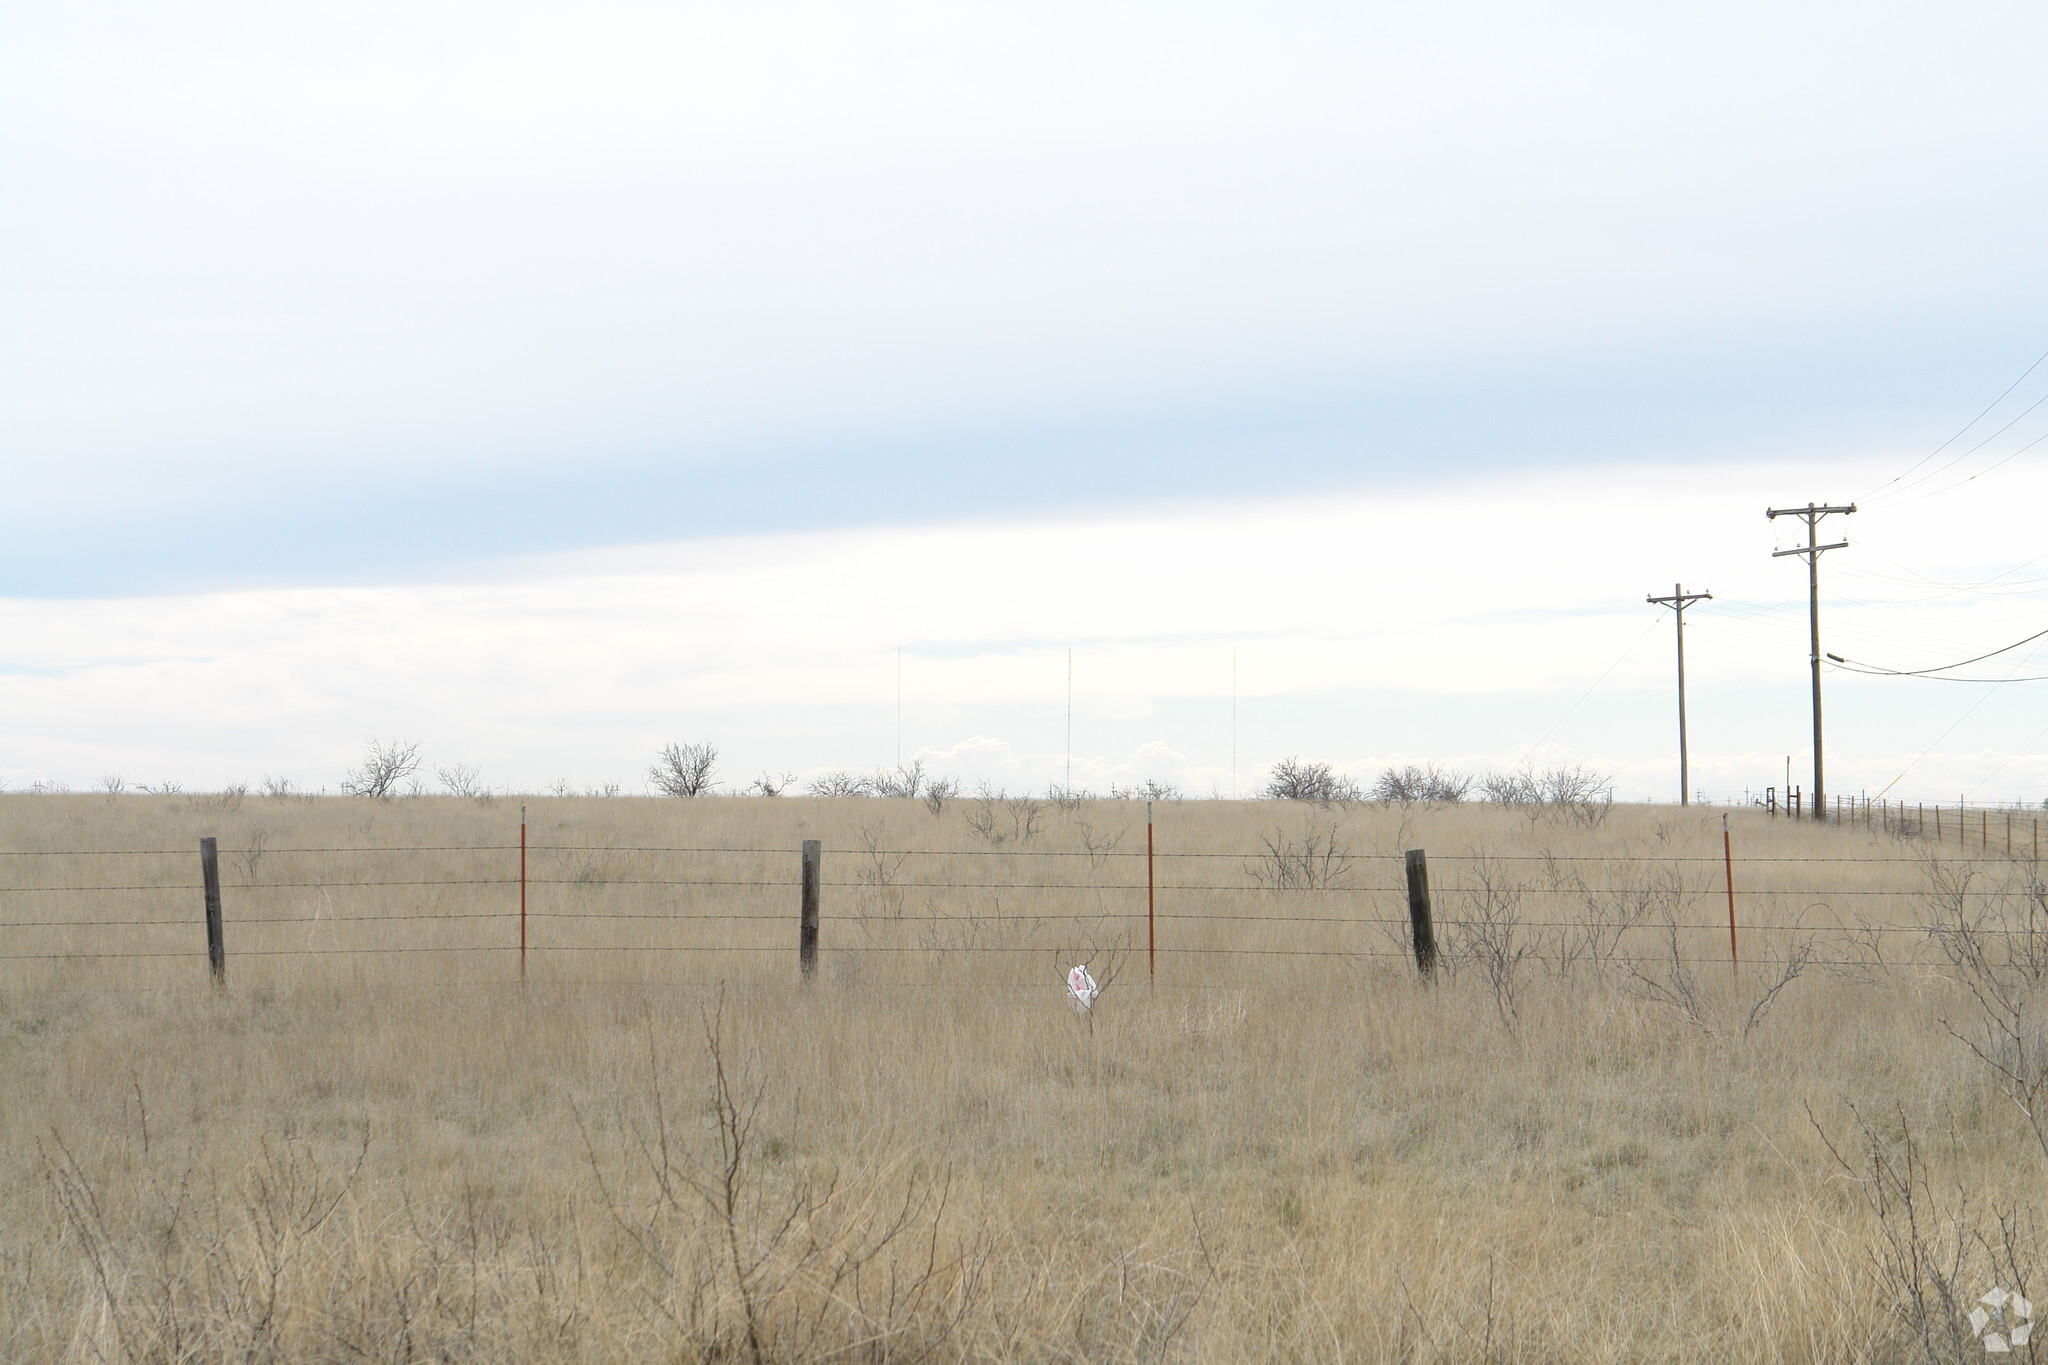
1287 1148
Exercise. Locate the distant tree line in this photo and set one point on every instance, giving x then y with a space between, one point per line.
388 769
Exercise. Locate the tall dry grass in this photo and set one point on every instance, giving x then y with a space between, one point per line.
1589 1139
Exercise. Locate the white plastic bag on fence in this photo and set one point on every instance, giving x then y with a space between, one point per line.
1081 990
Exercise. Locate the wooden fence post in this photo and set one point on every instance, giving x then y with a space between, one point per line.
1421 928
209 875
807 929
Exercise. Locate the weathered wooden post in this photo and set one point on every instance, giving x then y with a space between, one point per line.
807 929
1419 924
209 876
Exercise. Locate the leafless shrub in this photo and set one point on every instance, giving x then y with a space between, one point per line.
602 790
1491 937
1670 979
1068 799
278 788
1421 784
461 779
840 782
1295 779
1993 928
1317 861
172 788
1151 789
1923 1237
113 784
1100 847
904 780
226 799
383 767
771 784
1569 793
761 1263
878 869
938 792
996 817
684 770
161 1293
1627 896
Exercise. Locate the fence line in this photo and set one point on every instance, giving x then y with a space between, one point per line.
1677 880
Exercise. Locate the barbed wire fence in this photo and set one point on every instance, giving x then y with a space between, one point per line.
85 919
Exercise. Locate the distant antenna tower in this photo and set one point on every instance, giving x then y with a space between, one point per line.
1070 724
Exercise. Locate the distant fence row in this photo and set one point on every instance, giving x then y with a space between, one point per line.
143 918
2012 831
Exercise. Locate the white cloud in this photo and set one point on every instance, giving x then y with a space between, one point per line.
1458 623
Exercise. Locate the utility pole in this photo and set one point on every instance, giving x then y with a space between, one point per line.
1813 550
1679 600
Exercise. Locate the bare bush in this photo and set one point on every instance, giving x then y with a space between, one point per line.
1492 937
384 766
1669 979
684 770
461 779
1571 793
840 782
999 818
113 784
1317 861
771 784
1994 931
1296 779
1151 789
938 792
765 1264
1424 783
903 781
278 788
1923 1241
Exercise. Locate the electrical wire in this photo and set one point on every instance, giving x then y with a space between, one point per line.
1942 668
2007 392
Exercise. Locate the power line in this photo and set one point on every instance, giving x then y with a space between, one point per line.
1965 426
1941 668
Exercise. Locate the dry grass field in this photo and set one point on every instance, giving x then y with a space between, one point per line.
1589 1139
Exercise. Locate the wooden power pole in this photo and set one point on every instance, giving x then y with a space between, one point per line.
1813 550
1679 600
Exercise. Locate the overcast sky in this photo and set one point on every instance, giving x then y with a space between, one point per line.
550 381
